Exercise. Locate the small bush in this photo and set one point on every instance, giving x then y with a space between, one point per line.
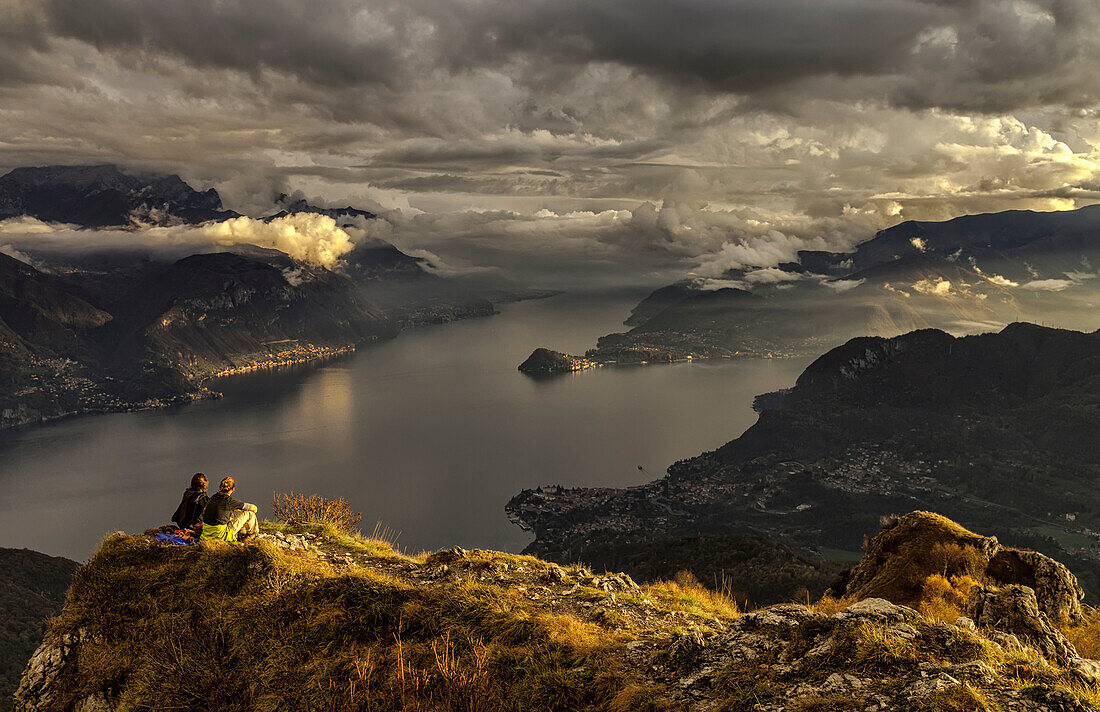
299 509
945 599
953 559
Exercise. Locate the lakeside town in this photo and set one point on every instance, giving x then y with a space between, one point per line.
710 491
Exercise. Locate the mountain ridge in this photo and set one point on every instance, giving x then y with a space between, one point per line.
104 196
967 275
121 328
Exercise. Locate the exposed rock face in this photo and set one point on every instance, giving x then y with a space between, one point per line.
1056 589
1013 609
37 691
912 547
547 361
32 590
788 657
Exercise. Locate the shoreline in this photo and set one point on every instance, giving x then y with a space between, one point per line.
314 355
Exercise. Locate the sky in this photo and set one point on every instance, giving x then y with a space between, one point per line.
647 137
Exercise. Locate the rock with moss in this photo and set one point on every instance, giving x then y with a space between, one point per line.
1014 609
910 548
872 655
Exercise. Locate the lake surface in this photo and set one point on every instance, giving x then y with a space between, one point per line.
430 433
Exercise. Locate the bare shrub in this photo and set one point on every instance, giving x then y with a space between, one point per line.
951 559
295 508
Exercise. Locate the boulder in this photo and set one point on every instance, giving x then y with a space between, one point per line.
1014 609
912 547
1056 588
879 609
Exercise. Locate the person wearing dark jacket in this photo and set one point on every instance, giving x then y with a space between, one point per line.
189 513
224 517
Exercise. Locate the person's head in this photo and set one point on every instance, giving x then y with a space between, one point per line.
198 481
228 485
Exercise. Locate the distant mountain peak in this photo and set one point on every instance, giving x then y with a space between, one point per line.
291 205
93 196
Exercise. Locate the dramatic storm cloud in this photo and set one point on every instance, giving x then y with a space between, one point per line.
691 135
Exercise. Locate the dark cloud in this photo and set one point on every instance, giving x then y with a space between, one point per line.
541 147
440 152
326 42
574 129
740 46
986 55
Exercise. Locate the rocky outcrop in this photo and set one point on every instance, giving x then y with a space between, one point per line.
1056 589
296 608
912 547
874 655
547 361
1014 609
37 690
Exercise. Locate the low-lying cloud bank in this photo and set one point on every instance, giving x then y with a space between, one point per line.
648 243
311 238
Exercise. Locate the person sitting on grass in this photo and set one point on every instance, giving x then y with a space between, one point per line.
189 514
225 518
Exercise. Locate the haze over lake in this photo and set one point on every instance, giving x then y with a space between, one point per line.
430 433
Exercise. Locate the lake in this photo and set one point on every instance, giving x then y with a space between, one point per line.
430 433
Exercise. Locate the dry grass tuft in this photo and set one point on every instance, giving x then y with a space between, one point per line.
828 703
1085 636
686 594
831 606
640 698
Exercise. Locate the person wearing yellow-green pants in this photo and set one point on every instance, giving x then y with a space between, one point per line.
226 518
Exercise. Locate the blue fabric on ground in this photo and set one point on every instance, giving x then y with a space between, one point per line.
173 539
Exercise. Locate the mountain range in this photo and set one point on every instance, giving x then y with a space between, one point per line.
104 196
969 275
113 329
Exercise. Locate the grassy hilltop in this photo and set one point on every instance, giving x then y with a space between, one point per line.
308 620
